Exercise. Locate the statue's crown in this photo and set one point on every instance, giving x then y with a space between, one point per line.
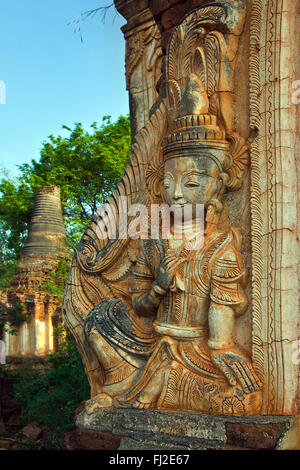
195 129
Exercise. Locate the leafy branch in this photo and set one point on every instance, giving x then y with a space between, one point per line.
56 283
12 316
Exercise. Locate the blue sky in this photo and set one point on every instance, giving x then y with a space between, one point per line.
51 77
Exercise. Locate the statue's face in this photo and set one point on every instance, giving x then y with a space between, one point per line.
191 180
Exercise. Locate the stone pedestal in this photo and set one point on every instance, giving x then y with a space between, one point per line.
162 430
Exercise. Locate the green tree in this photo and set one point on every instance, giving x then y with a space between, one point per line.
86 166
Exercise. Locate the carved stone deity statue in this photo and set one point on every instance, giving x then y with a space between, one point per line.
154 318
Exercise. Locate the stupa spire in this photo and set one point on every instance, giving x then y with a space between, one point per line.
47 231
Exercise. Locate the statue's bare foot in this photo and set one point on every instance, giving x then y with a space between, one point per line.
141 405
121 404
103 400
136 404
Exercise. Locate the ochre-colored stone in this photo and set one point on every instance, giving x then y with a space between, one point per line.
291 440
170 13
254 436
83 439
32 432
192 296
212 329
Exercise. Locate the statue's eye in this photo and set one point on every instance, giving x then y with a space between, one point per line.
166 184
191 184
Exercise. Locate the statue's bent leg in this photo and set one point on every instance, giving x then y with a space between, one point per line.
118 373
109 330
147 391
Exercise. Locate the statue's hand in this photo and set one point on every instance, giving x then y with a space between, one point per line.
236 368
165 273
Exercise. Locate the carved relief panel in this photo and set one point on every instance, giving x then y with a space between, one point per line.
143 70
169 324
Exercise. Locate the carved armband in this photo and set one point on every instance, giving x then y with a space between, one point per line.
227 276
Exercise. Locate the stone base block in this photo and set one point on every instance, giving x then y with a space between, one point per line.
162 430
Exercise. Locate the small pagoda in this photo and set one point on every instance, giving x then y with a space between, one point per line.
45 247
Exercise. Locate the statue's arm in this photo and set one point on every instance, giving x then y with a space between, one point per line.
221 320
227 356
229 301
146 304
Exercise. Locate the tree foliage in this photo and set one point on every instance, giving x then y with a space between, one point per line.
11 317
86 166
55 284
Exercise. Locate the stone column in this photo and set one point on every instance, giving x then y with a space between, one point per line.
50 308
40 328
13 345
275 209
7 340
143 60
24 334
51 338
32 336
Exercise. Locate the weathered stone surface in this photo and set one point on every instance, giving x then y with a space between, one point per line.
131 9
169 13
193 326
154 430
47 230
291 439
84 439
142 60
32 431
159 329
132 444
158 6
254 436
181 429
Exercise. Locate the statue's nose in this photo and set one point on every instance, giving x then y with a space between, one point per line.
178 192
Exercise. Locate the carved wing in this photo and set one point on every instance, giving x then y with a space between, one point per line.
100 267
